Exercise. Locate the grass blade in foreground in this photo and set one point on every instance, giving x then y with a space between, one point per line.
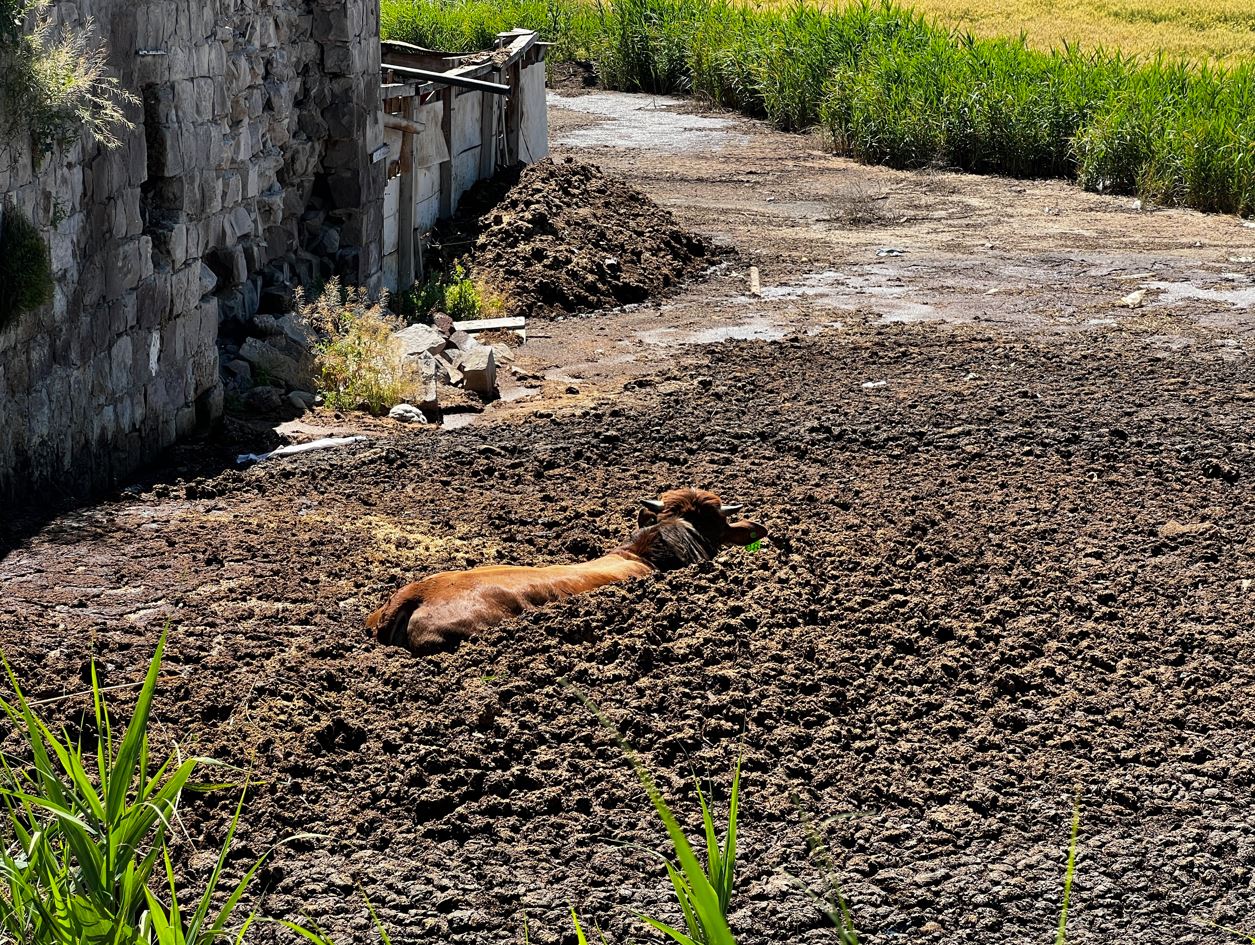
698 898
1062 937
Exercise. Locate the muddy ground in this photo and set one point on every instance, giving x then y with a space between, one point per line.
1011 555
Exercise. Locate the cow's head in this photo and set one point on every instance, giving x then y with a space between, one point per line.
709 516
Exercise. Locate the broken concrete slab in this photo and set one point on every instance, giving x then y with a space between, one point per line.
479 371
514 323
446 363
420 339
423 380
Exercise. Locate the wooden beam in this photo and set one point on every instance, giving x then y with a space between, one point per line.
450 78
401 123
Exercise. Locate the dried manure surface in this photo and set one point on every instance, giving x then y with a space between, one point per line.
1015 568
565 239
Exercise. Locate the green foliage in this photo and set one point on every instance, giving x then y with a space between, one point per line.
54 84
85 829
701 893
453 292
360 364
25 267
890 86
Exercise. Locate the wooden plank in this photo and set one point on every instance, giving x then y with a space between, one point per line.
513 116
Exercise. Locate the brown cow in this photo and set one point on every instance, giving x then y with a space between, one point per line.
683 527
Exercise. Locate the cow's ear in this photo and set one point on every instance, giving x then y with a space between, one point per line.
743 533
645 518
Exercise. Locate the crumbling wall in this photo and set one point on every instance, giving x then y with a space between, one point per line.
255 164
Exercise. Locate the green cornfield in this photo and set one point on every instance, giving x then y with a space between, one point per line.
890 86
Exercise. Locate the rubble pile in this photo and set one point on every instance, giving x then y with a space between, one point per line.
455 366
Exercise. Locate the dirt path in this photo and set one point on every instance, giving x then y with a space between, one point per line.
1011 554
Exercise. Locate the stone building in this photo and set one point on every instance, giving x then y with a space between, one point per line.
256 163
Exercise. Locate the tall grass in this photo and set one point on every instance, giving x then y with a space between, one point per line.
890 86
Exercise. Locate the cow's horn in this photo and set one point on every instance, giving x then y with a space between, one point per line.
653 505
729 509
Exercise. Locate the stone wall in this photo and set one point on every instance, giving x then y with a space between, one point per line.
255 165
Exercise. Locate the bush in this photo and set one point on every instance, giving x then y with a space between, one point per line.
53 84
25 267
360 365
453 292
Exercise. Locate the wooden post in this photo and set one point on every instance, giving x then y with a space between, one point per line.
488 132
405 202
514 114
446 168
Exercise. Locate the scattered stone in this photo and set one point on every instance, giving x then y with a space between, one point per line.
241 370
504 353
295 330
1134 299
305 397
464 341
298 402
420 339
479 371
442 323
572 389
264 399
268 361
407 413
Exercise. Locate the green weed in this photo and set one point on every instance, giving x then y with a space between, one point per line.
1061 937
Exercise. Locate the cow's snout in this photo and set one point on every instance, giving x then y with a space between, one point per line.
744 533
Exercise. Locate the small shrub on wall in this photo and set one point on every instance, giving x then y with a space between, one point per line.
25 267
53 81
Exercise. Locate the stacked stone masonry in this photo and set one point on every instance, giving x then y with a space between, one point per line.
254 166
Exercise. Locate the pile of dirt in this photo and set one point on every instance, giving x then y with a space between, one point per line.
564 238
973 599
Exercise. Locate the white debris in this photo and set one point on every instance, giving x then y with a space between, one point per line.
326 443
1134 299
407 413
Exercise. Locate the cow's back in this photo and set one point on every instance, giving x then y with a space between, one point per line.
453 605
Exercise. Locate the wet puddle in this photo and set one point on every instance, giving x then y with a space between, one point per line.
644 123
758 329
841 290
1171 293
